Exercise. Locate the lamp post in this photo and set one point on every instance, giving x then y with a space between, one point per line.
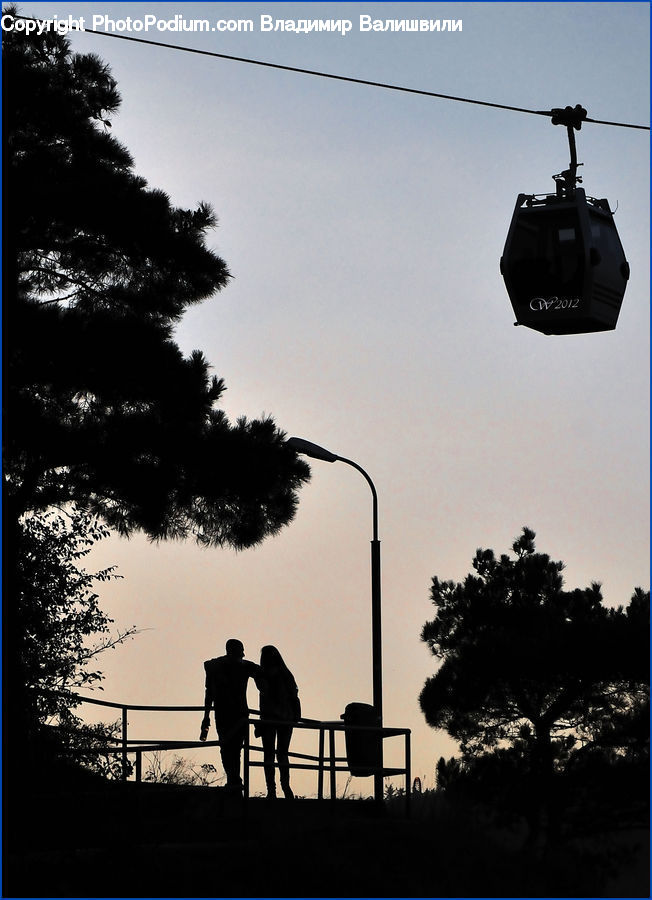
316 452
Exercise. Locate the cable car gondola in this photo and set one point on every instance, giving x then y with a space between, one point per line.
563 263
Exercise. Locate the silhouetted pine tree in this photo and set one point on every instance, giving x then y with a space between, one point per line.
101 406
528 666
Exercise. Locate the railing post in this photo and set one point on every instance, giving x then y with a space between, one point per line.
320 778
331 744
408 776
124 744
246 762
139 766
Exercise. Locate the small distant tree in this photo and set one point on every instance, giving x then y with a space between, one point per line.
528 667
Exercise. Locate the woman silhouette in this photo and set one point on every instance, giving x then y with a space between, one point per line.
279 700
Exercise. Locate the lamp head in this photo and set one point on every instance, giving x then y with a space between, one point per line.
310 449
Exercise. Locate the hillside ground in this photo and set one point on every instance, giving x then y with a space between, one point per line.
90 838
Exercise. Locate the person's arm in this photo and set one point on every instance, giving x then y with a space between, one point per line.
259 680
294 697
208 703
257 674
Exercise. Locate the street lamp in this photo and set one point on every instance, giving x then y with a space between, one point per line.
317 452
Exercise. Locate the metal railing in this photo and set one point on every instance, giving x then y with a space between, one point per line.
325 762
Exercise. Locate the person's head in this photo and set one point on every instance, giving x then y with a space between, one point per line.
269 656
235 648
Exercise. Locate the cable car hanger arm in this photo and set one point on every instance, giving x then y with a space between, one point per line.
572 118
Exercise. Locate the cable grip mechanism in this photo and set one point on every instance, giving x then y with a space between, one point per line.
571 117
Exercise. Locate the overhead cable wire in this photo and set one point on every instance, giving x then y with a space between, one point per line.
347 78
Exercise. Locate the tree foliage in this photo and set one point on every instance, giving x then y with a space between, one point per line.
101 406
60 631
60 619
528 665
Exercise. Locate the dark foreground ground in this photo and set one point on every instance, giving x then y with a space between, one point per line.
126 840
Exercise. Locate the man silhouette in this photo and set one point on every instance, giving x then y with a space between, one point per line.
226 691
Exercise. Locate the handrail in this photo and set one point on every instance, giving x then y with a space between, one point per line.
303 722
324 761
337 724
114 705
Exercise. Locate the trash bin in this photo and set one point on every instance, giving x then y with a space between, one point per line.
363 748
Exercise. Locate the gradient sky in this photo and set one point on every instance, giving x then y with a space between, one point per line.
367 313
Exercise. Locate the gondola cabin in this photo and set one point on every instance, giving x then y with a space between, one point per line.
563 264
